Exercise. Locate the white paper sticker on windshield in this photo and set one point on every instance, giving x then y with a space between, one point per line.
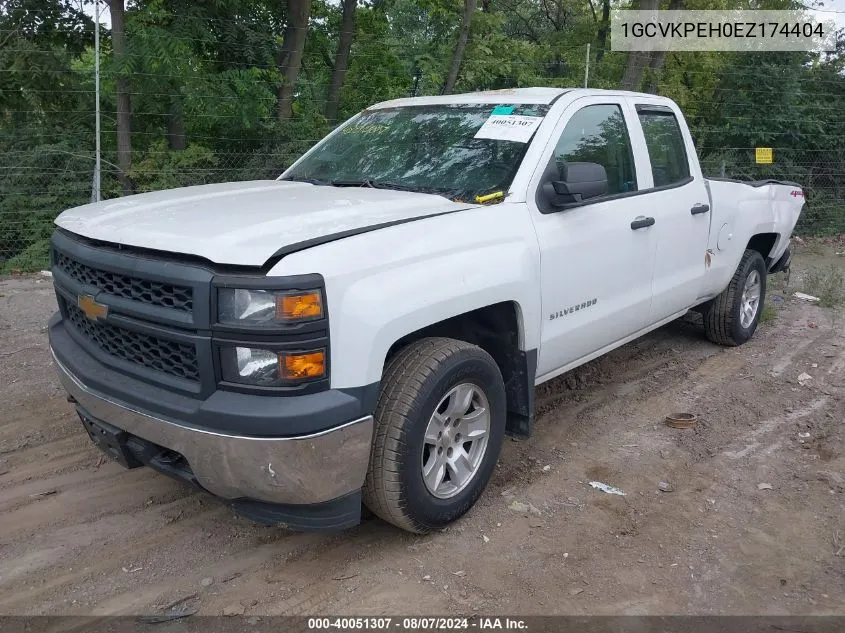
509 127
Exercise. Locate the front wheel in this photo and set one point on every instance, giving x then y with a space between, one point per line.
440 422
732 317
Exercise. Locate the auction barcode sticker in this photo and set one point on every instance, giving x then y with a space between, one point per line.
509 127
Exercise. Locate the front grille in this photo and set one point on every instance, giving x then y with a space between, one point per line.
161 354
142 290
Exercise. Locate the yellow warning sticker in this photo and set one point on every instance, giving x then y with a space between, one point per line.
763 155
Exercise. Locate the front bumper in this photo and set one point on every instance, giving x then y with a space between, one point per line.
306 470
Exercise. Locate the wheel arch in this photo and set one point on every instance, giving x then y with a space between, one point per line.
499 330
764 243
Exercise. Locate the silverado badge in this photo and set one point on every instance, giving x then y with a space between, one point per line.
93 310
571 309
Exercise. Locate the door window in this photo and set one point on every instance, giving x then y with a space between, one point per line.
598 134
666 150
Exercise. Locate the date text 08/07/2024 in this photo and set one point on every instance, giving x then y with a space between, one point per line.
417 623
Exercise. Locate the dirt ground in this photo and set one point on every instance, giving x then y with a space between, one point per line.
754 524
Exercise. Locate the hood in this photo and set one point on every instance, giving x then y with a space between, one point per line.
245 223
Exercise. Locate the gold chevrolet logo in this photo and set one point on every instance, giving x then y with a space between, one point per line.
93 310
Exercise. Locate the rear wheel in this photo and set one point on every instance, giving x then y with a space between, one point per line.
440 421
732 317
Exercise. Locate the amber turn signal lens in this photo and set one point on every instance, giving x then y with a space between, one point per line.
305 305
302 366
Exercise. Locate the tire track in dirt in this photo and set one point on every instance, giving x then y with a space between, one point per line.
752 441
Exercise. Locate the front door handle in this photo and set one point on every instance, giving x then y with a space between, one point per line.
641 223
700 208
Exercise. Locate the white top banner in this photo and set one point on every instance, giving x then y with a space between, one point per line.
733 30
509 127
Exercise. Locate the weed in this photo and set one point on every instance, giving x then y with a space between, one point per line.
768 314
826 283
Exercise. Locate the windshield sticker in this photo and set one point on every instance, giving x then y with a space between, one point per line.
502 110
365 128
509 127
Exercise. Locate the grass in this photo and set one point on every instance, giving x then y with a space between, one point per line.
35 257
827 283
768 314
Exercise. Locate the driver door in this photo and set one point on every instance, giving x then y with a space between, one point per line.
597 257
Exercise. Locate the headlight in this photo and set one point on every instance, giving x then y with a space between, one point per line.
239 306
265 368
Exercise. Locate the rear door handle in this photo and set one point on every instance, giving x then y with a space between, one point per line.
700 208
641 223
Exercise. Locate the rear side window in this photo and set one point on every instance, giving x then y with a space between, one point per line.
598 134
666 150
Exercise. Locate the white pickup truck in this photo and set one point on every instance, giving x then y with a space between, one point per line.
370 325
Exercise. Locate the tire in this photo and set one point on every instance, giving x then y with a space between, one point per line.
726 319
415 386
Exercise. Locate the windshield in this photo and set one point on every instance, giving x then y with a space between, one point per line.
459 150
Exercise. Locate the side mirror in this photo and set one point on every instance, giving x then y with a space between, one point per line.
578 182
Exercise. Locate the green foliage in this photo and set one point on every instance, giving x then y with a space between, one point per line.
204 77
768 314
37 186
163 169
36 256
826 283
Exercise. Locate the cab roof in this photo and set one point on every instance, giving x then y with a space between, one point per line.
537 95
509 95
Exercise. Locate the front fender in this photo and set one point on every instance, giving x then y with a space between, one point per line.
389 283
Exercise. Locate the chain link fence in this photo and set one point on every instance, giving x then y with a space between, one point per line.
37 183
820 173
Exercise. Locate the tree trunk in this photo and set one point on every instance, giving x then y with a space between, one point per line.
341 60
637 60
290 57
655 64
603 29
176 123
122 88
460 46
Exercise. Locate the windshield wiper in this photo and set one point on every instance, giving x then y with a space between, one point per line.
313 181
387 184
451 194
372 183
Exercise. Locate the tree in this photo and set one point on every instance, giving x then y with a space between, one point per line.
45 135
460 46
657 58
341 60
205 91
604 28
122 89
290 55
122 93
637 60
